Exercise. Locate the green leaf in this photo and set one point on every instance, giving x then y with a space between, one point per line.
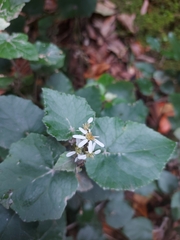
146 68
18 117
17 46
10 9
96 194
65 163
118 212
139 229
92 96
136 111
174 50
39 191
147 190
154 43
34 7
167 87
167 182
175 206
59 82
3 24
76 8
49 55
12 227
134 154
160 77
123 90
3 153
89 233
106 79
52 229
145 86
175 100
5 82
64 113
177 133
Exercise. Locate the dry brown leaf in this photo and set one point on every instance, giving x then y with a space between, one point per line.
2 91
128 21
137 48
108 26
159 233
160 111
144 7
146 58
164 125
140 204
165 108
105 9
22 67
117 47
91 32
96 70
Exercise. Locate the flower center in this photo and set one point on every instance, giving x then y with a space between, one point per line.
89 136
78 150
86 126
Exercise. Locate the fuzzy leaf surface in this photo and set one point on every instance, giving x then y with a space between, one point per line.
39 191
12 227
18 117
17 46
134 154
64 113
65 163
49 55
92 96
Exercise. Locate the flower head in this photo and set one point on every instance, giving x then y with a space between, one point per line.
78 151
85 138
91 151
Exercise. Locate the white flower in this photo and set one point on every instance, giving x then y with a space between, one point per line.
91 152
78 151
87 138
79 156
81 141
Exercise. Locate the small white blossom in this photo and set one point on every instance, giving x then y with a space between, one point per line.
79 156
91 151
82 140
87 137
78 151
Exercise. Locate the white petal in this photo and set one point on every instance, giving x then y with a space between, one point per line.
93 146
78 141
79 137
90 120
99 143
82 156
76 159
97 151
90 147
69 154
82 130
82 143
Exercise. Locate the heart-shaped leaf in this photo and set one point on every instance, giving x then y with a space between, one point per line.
134 154
64 113
18 117
39 191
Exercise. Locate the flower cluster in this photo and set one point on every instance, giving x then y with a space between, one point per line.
85 143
